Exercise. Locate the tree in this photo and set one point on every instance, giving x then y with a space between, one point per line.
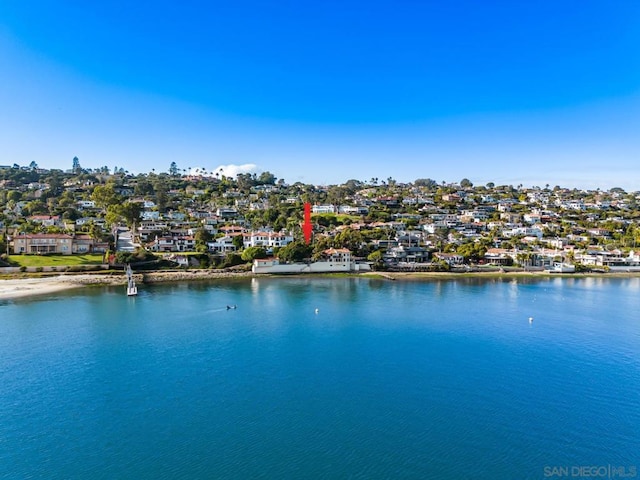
105 195
295 252
94 231
376 257
173 169
466 183
202 236
55 183
143 187
348 238
14 195
33 165
231 260
267 178
76 168
320 245
238 242
128 212
251 253
472 252
160 189
425 182
35 207
245 181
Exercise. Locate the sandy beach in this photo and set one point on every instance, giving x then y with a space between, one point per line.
25 286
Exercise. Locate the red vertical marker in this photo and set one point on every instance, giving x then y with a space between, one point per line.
307 228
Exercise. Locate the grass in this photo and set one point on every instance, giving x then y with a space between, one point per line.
340 217
55 260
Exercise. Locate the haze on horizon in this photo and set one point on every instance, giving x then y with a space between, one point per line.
502 92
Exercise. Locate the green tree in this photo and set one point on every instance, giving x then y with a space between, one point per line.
161 195
251 253
231 260
472 252
295 252
95 232
128 212
321 244
14 195
35 207
350 239
425 182
173 169
202 237
131 211
376 257
76 168
238 242
105 195
267 178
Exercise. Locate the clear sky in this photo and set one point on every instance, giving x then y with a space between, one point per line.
503 91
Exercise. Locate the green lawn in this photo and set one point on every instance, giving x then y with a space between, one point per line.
56 260
341 217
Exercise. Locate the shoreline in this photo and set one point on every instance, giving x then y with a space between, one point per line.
27 285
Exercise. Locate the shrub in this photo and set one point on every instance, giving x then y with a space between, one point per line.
231 260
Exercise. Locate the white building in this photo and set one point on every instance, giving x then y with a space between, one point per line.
267 239
323 209
334 260
222 245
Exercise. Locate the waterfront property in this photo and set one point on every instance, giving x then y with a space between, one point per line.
333 260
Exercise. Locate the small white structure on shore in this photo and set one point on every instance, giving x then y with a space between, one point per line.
559 267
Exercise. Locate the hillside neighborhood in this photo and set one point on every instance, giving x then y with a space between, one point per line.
196 218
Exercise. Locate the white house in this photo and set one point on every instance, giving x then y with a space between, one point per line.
323 209
222 245
266 238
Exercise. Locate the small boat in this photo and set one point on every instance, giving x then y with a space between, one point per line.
231 307
132 290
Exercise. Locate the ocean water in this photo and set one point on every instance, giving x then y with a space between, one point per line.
389 380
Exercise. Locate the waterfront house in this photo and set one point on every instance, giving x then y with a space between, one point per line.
450 258
498 256
43 243
332 260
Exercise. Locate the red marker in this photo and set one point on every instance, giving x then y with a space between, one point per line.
307 228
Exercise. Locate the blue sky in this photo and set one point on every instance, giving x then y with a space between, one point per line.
509 92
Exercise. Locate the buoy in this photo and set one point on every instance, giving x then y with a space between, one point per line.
317 311
530 319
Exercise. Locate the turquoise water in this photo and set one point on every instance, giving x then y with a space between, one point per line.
442 379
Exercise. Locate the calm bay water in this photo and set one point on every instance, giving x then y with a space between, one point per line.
441 379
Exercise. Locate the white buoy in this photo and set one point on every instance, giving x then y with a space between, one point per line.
317 311
530 319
